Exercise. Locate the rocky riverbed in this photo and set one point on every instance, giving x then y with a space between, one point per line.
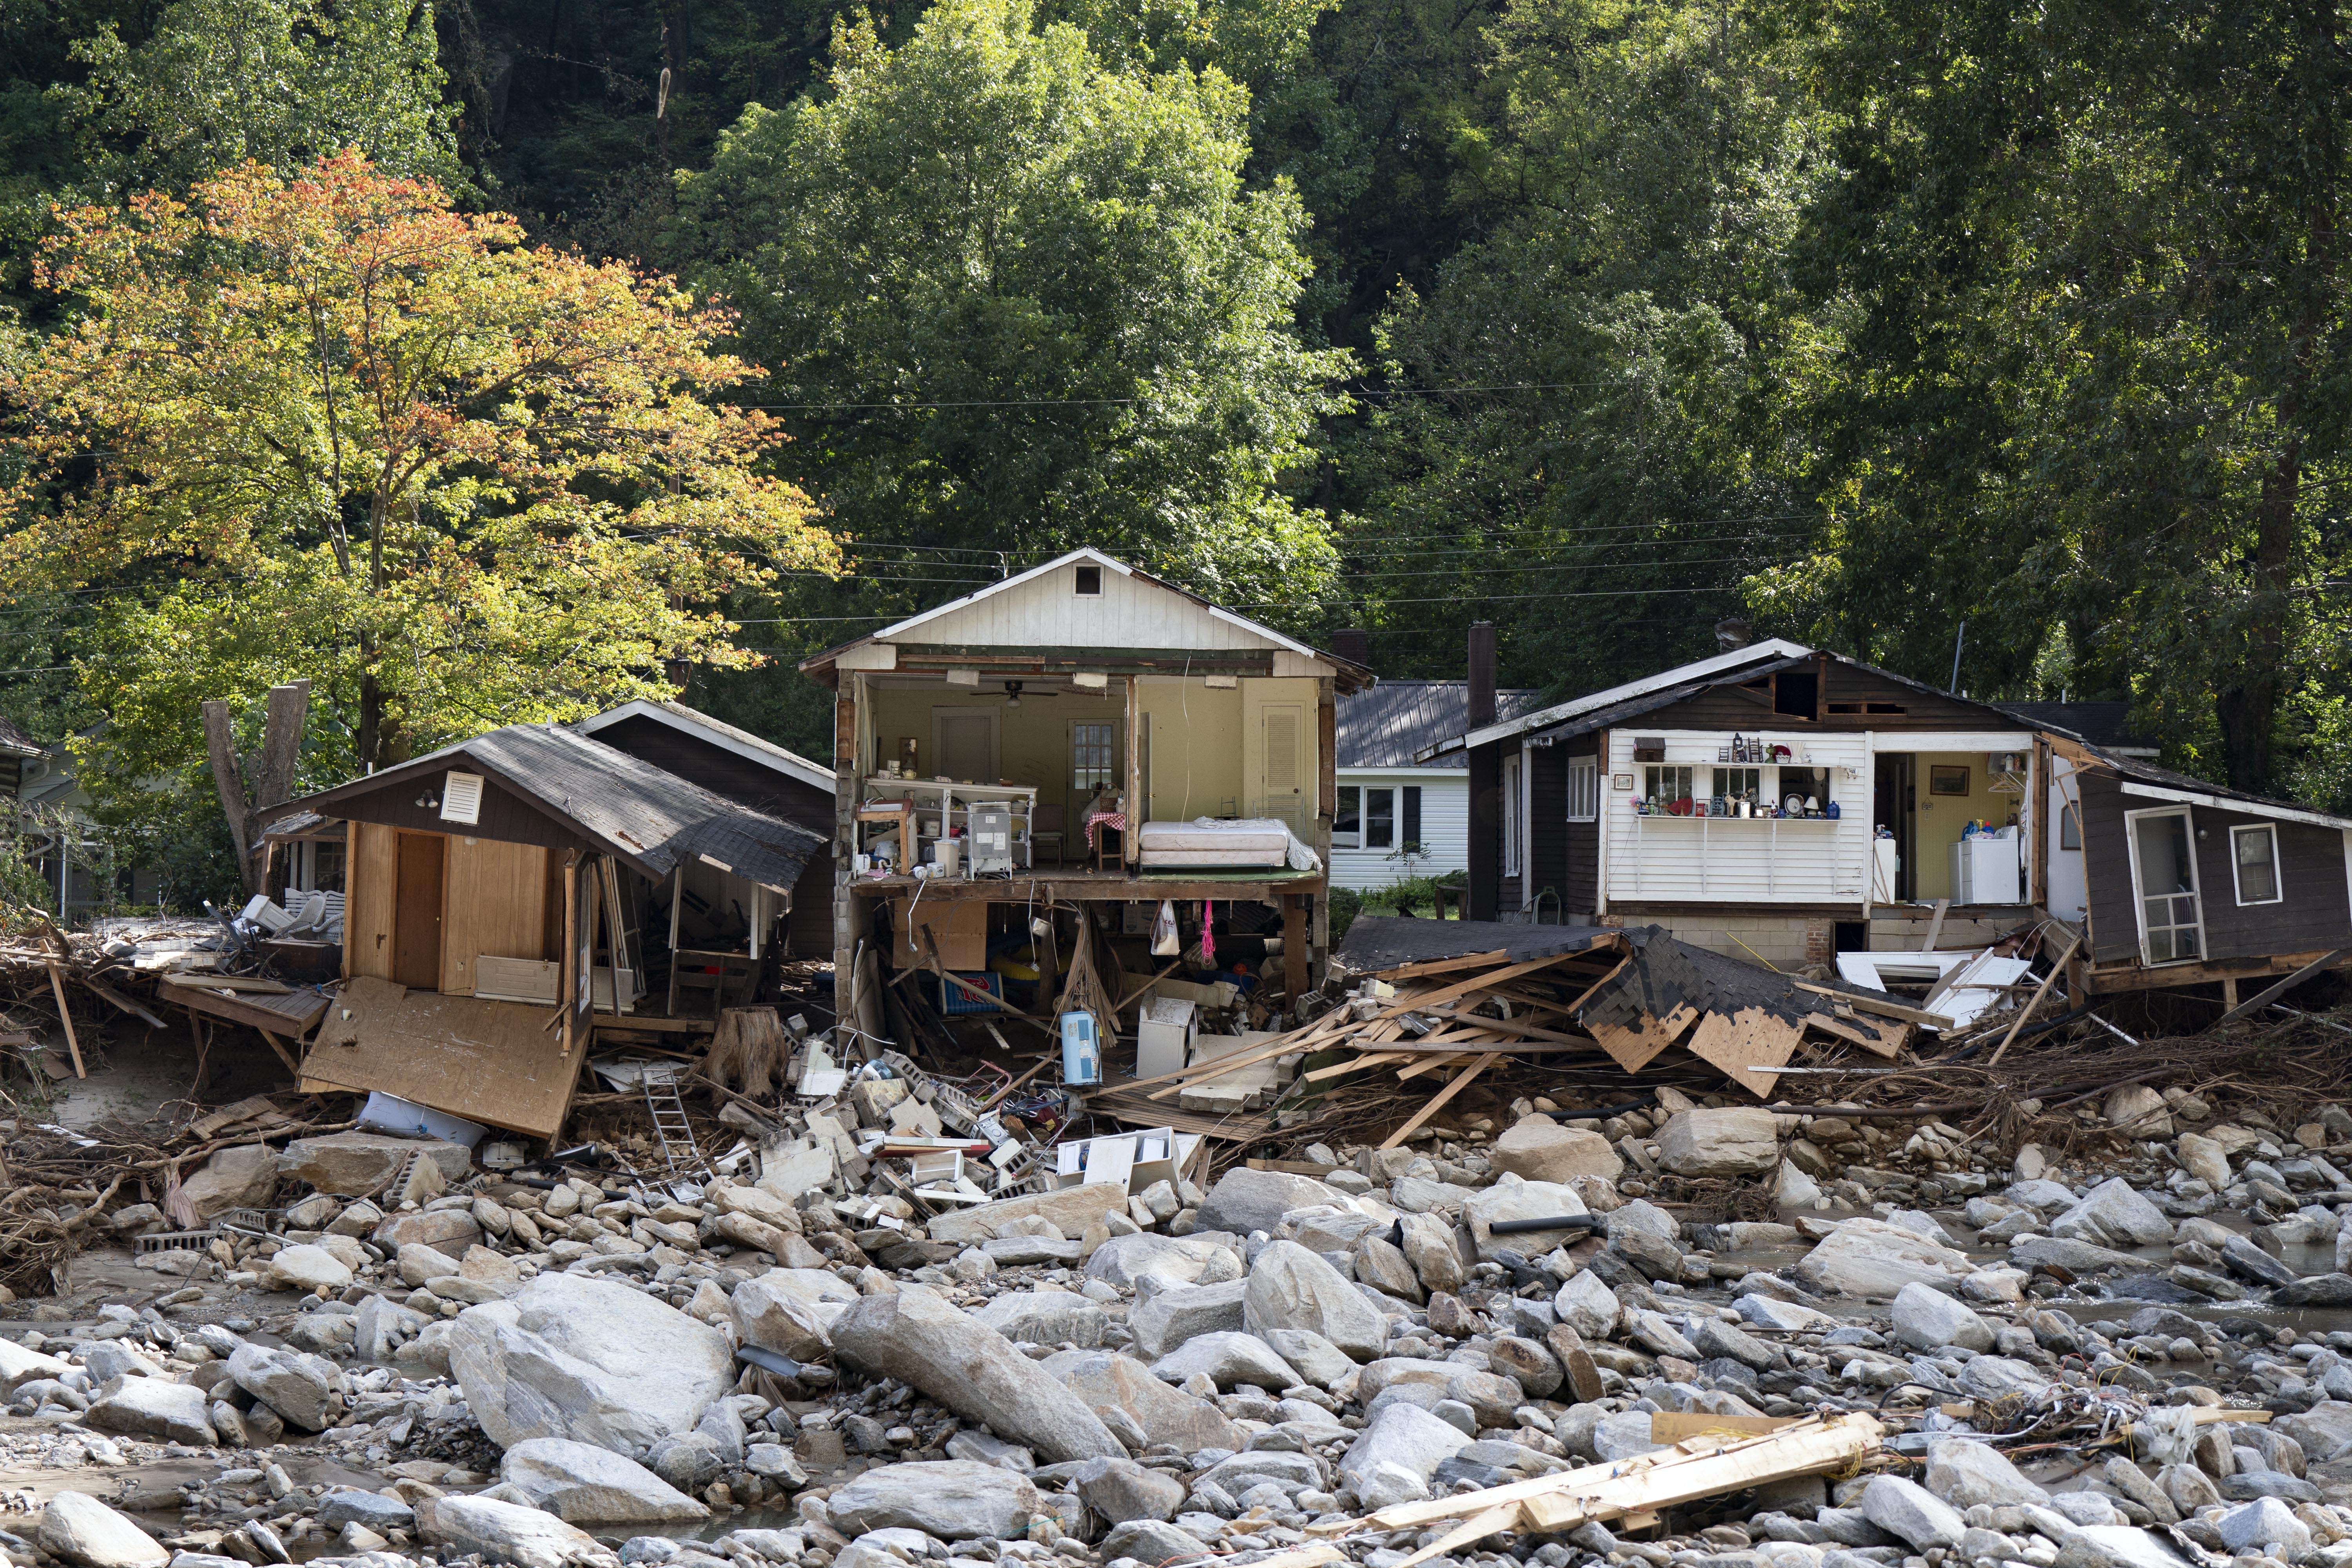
2138 1363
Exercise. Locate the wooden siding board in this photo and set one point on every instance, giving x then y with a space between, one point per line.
1049 612
1727 708
372 880
497 904
2106 867
1761 862
2313 914
506 815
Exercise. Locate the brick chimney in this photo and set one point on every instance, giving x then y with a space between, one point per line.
1482 673
1353 644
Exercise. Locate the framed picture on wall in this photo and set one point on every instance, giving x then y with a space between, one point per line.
1946 780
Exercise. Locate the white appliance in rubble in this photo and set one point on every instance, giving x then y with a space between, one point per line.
992 840
1985 870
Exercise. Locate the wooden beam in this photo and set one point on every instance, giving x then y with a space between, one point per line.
2282 987
2034 1001
1441 965
283 1055
1130 837
65 1017
1936 926
1438 1101
1873 1004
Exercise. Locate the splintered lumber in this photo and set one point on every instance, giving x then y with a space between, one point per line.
1444 965
65 1017
1699 1466
1437 1101
1874 1004
2050 979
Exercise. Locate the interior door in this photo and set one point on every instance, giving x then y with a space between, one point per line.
1284 783
964 746
418 882
1892 807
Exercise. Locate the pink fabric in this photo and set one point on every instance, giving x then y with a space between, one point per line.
1096 821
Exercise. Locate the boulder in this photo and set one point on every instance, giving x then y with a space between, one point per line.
918 1337
1965 1473
1910 1513
790 1311
1538 1149
1512 1198
2032 1252
301 1388
1433 1250
451 1230
1316 1359
242 1177
1047 1317
1398 1450
582 1484
1172 1317
1070 1210
362 1164
1149 1540
590 1360
80 1530
1244 1200
2256 1265
1119 1490
1926 1319
155 1407
353 1505
2255 1529
1229 1361
312 1268
2138 1112
1734 1141
1179 1259
2202 1158
1291 1288
2113 1215
953 1500
1874 1260
19 1366
1587 1305
1104 1382
503 1532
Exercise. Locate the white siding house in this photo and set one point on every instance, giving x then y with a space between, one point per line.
1397 817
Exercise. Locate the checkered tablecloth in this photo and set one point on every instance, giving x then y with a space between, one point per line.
1098 821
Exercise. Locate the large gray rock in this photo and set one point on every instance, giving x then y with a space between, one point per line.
1046 1318
504 1531
156 1407
1398 1452
918 1337
1512 1198
1734 1141
954 1500
362 1164
1874 1260
309 1269
19 1366
1175 1315
583 1484
1291 1288
1316 1359
588 1359
2252 1529
1965 1473
1244 1200
2203 1158
1926 1319
1179 1259
1587 1305
1909 1511
1149 1540
303 1389
1069 1210
1229 1361
353 1505
1538 1149
2113 1215
79 1529
2031 1252
1105 1382
1120 1490
2323 1432
2255 1263
790 1311
244 1177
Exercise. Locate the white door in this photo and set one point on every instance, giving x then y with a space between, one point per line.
2070 886
2164 886
1284 783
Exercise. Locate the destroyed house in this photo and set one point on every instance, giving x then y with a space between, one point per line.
1772 802
510 896
2176 882
749 772
1081 734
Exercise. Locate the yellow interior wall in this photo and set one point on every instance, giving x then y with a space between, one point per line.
1256 696
1940 817
1196 748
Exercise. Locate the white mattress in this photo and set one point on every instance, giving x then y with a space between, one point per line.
1209 841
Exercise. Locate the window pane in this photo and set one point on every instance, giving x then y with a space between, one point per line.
1666 784
1345 822
2163 862
2069 827
1379 818
2257 865
1740 784
1092 764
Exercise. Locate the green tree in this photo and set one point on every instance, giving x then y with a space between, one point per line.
217 82
1017 300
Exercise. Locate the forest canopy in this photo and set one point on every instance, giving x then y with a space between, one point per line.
2007 331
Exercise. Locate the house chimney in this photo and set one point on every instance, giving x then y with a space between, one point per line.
1353 644
1482 674
1732 632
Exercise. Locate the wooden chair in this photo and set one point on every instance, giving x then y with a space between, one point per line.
1045 828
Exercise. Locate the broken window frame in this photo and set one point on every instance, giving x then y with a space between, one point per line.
2166 936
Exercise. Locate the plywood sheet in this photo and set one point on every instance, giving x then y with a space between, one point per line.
367 914
496 904
1631 1047
493 1062
1748 1046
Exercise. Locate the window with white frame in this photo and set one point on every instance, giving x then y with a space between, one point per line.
1662 784
2164 885
2254 858
1094 756
1583 789
1741 783
1511 815
1366 817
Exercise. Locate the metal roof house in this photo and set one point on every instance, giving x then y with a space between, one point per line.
512 874
1093 713
1398 816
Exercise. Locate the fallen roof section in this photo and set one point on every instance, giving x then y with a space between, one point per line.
492 1062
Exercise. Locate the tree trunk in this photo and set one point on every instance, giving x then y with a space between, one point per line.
220 744
2247 706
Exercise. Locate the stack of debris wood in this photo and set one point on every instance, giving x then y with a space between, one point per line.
1432 1007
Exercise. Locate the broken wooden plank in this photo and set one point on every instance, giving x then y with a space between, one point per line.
1441 966
65 1017
1671 1426
1748 1045
125 1003
1437 1101
2050 979
1875 1004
